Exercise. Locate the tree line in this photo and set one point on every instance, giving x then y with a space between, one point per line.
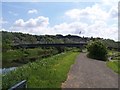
15 38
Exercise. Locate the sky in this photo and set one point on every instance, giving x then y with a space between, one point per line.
92 19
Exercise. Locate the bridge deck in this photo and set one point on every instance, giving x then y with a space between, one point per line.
56 45
50 45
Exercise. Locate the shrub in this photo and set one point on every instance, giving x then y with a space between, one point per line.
97 50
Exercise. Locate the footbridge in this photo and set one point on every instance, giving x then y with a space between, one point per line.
50 45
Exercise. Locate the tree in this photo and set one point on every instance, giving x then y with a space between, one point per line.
97 50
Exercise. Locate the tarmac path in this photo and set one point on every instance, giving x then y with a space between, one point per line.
90 73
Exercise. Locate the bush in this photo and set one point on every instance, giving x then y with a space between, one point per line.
97 50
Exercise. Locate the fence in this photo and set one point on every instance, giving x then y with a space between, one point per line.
22 84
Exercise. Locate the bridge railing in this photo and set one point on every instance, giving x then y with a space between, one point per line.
22 84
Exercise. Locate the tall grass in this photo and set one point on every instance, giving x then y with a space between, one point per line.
47 73
114 65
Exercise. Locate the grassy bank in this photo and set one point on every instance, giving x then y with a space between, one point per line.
14 58
114 64
46 73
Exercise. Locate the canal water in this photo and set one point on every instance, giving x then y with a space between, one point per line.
6 70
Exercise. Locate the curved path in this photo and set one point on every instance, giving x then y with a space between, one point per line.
90 73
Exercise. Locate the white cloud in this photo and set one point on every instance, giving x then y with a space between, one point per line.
101 29
37 25
3 29
40 24
69 28
89 13
19 23
36 22
98 29
99 20
33 11
102 19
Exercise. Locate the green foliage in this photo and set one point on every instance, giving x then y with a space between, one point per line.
23 56
6 41
114 65
46 73
97 50
110 43
10 38
61 49
114 54
6 47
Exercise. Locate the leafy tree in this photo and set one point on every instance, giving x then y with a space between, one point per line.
60 49
97 50
5 47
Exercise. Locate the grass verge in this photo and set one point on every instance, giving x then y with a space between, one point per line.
46 73
114 65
